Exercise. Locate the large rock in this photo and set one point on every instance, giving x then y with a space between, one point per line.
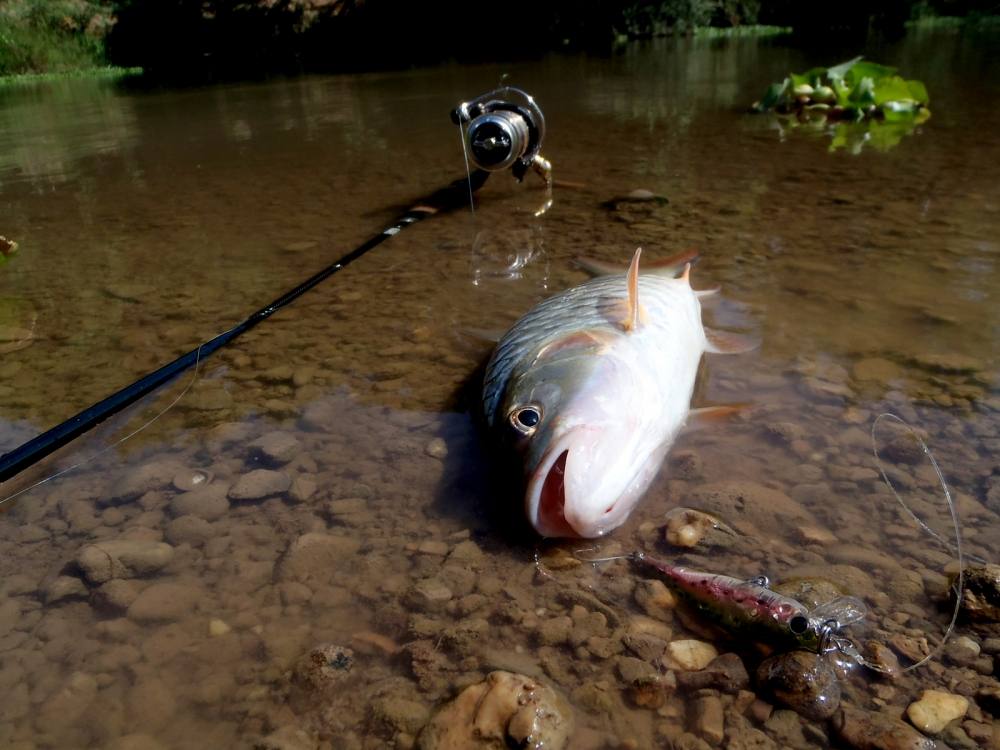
164 602
259 484
155 475
866 730
123 558
981 593
803 681
935 710
208 502
733 501
315 556
505 710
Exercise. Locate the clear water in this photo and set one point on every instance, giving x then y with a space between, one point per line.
148 222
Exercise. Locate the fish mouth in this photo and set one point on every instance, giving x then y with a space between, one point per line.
545 499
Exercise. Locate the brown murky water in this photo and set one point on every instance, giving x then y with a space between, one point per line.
138 612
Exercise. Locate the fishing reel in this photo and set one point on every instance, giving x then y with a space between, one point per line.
504 129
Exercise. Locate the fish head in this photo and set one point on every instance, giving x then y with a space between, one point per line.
583 423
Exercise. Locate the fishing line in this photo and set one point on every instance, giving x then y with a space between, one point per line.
468 173
959 554
105 449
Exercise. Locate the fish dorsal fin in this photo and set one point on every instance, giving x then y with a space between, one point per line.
631 321
686 276
666 267
725 342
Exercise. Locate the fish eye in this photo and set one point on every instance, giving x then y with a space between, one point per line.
525 418
798 624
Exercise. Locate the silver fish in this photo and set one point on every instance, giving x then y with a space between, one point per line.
592 386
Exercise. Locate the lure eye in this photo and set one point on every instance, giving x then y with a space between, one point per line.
798 624
525 418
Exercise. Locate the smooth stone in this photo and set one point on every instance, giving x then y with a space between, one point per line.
726 672
259 484
123 558
689 654
65 587
275 448
981 592
315 556
191 479
876 369
155 475
436 448
867 730
164 602
189 530
504 710
398 713
803 681
707 719
116 595
209 502
935 710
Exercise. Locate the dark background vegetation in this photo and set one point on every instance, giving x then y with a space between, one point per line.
178 40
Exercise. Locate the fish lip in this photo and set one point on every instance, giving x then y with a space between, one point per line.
533 492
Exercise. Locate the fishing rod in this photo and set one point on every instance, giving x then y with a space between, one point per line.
501 129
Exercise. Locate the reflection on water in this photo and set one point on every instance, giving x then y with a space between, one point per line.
322 480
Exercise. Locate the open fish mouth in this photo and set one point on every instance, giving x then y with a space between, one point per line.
546 497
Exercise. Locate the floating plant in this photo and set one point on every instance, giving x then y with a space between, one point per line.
859 102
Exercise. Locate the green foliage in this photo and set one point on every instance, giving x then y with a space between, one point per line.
861 102
39 36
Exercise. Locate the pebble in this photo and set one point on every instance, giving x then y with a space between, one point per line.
63 588
802 681
274 448
689 654
962 651
217 627
866 730
164 602
654 598
123 558
259 484
935 710
116 595
687 527
208 502
395 713
504 710
981 593
436 448
155 475
315 556
189 530
286 738
726 672
707 719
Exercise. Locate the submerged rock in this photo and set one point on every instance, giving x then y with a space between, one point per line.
259 484
866 730
802 681
981 593
935 710
687 527
124 558
505 710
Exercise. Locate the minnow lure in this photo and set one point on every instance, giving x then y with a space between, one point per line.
751 607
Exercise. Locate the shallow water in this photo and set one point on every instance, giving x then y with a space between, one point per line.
149 222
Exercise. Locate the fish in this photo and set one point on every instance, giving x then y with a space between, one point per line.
591 387
750 608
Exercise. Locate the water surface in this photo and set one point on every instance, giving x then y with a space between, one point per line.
148 222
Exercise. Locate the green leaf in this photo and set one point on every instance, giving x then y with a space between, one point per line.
868 70
863 94
893 89
774 96
918 91
837 72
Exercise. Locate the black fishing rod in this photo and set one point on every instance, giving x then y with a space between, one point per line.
509 135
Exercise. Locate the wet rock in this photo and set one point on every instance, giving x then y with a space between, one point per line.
303 488
63 588
207 502
741 735
259 484
935 710
217 627
189 530
315 556
191 479
949 364
164 602
725 672
810 591
428 595
136 741
802 681
319 673
707 719
395 713
981 593
687 527
436 448
123 558
505 710
735 501
962 651
877 369
654 598
689 654
554 630
116 596
274 448
155 475
151 702
865 730
286 738
71 701
647 647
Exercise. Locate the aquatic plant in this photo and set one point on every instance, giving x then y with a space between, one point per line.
861 102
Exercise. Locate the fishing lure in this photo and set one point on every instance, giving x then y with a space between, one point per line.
749 606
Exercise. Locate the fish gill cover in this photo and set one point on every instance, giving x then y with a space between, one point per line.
858 101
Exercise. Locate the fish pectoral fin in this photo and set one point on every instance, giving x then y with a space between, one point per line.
666 267
702 293
726 342
575 340
708 414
